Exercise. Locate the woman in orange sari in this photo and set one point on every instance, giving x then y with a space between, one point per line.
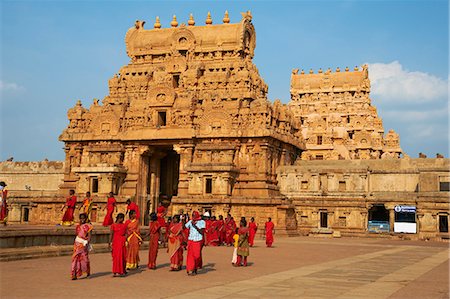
134 241
110 206
80 256
117 241
154 233
175 248
86 206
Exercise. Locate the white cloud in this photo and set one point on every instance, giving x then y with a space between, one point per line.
7 86
390 81
416 115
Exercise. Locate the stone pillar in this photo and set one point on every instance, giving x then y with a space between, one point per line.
315 182
331 182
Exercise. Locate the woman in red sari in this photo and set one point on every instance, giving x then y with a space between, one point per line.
269 230
230 228
175 248
221 230
3 205
80 256
117 242
154 233
110 206
70 204
134 241
213 237
252 228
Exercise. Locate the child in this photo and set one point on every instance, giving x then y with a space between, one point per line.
117 242
236 240
80 256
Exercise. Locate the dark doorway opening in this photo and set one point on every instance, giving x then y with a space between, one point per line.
323 219
169 174
378 213
443 223
26 214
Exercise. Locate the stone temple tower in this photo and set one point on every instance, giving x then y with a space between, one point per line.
337 118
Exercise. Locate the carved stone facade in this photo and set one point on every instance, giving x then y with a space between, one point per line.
187 119
337 118
344 196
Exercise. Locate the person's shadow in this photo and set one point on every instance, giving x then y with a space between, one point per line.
207 268
96 275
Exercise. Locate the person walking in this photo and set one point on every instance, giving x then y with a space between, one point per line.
110 207
80 256
269 228
196 228
117 240
71 202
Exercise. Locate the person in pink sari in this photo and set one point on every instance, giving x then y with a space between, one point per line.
80 255
252 228
175 244
269 231
110 206
3 204
70 204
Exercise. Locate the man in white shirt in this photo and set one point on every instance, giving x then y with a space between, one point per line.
196 228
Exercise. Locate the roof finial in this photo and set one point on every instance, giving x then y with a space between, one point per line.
311 71
320 71
208 19
338 70
226 18
157 24
191 21
346 69
174 22
303 72
356 68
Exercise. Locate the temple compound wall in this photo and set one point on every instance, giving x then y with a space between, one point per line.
379 196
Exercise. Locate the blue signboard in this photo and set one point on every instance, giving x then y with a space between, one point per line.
405 209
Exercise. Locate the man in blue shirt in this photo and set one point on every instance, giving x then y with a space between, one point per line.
196 228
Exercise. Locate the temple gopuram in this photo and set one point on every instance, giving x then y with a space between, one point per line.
187 124
186 121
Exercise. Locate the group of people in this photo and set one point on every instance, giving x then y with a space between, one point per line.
86 208
180 233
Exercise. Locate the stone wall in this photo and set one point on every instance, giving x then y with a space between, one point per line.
347 190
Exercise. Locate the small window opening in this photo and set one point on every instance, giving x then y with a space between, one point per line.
208 185
94 185
162 118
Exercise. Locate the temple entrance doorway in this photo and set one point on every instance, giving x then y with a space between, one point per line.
158 179
378 219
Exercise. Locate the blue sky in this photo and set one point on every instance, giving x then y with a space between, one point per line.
55 52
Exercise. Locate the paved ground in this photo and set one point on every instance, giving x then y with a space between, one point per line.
296 268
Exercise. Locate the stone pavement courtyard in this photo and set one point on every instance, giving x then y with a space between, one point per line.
299 267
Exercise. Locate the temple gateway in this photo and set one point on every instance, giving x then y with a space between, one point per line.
187 124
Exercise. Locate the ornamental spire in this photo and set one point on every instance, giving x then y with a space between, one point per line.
174 22
208 19
191 21
226 18
157 24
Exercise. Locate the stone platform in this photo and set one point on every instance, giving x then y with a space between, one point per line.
19 242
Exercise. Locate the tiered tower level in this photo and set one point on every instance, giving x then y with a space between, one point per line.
187 121
337 118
